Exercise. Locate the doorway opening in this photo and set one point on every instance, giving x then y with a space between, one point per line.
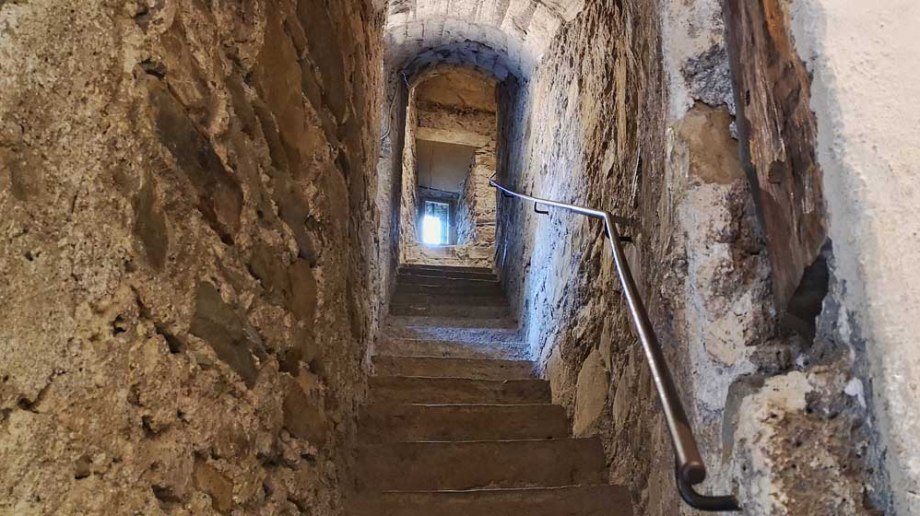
448 209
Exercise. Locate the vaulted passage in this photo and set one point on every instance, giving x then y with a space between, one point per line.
459 257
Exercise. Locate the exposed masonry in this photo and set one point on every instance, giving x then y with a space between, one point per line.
518 30
185 208
200 223
477 223
754 389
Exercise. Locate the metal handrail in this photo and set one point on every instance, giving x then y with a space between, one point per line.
690 469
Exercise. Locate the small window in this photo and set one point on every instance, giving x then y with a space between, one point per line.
436 223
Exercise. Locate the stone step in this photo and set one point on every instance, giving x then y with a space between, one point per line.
405 423
443 268
408 389
448 298
477 369
424 466
434 321
586 500
451 310
441 273
441 281
479 288
394 346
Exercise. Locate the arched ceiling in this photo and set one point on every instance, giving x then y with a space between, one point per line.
502 36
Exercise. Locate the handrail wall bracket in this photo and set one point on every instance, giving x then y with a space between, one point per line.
690 469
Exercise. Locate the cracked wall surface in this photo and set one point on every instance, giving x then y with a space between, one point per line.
185 197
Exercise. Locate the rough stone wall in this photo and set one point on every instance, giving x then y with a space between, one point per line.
446 118
779 418
466 219
795 428
476 224
408 207
184 201
389 189
572 134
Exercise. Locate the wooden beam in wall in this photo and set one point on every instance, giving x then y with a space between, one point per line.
777 130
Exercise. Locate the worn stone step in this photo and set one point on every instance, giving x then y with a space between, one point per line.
451 310
586 500
409 389
435 321
448 298
479 288
450 349
422 466
442 273
405 423
441 281
449 268
477 369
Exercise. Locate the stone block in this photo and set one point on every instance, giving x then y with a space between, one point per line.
590 393
220 197
303 406
235 342
211 481
150 225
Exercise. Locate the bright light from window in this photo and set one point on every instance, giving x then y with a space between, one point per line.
432 230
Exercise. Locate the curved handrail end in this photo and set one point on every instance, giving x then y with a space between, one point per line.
704 502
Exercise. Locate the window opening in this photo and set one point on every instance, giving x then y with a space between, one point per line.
436 223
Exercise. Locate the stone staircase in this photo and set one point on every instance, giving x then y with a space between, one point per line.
457 424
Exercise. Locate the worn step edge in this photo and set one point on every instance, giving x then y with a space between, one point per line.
460 290
429 348
448 274
443 297
480 464
458 310
449 268
571 500
416 422
423 279
472 368
409 389
434 321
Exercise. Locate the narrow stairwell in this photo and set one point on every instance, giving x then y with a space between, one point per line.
457 423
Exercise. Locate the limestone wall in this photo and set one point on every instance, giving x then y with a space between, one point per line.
184 202
572 134
476 224
631 111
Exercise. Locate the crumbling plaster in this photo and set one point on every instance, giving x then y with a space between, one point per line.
864 60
